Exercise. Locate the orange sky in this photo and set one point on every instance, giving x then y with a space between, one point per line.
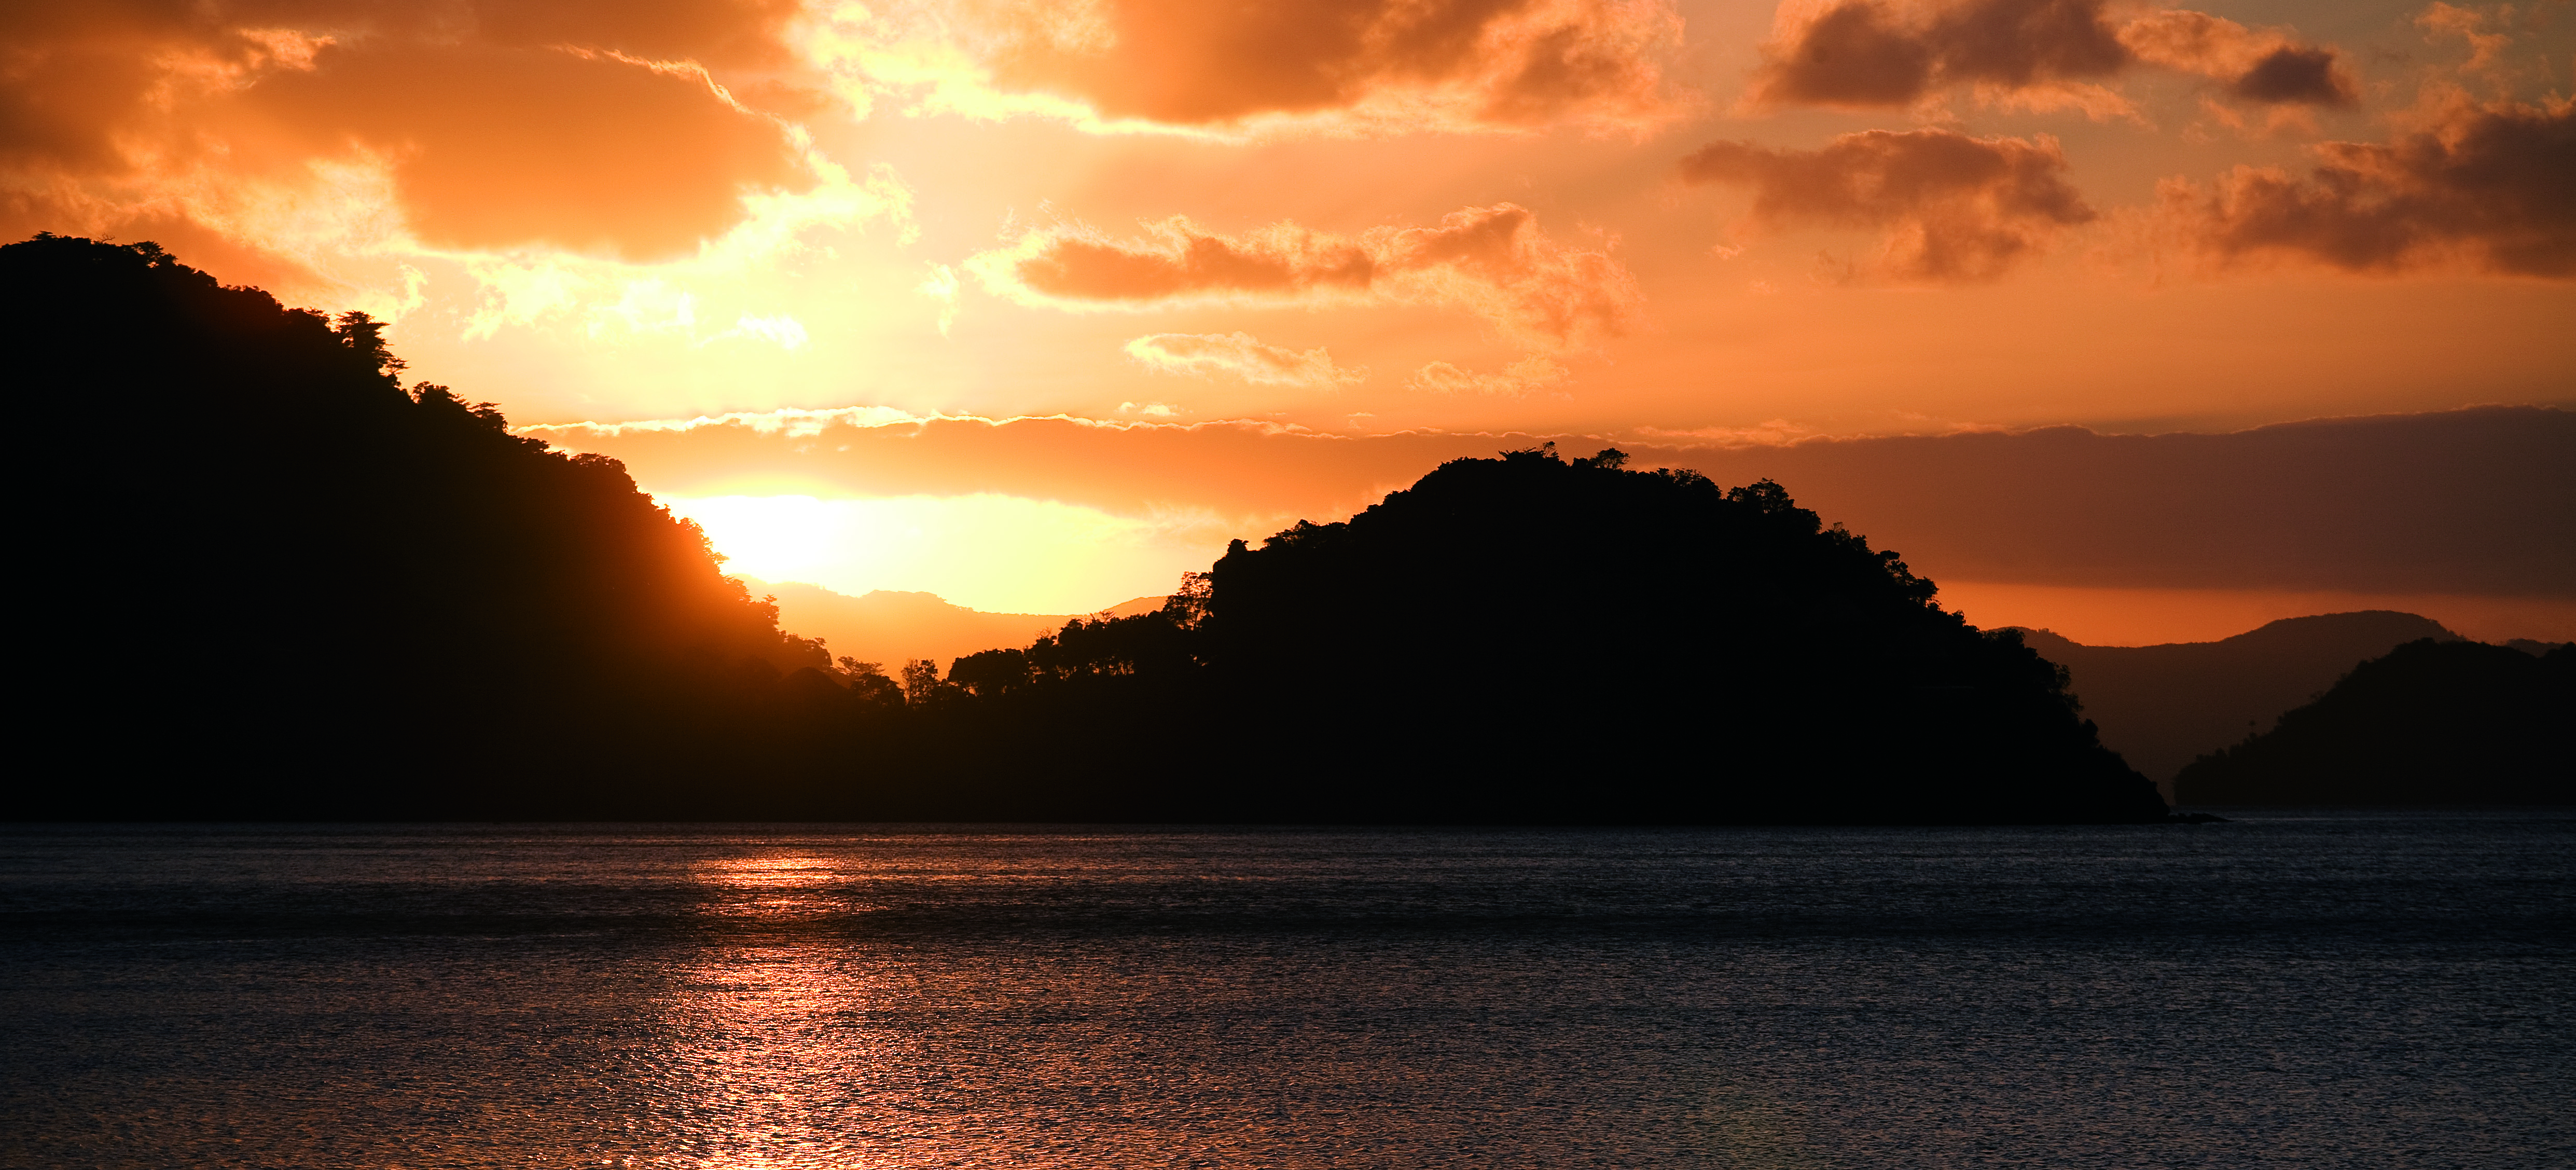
1693 227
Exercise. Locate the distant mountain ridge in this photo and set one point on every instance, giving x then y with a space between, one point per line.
2429 723
890 626
2162 706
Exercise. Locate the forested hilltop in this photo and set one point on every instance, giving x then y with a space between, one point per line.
1532 638
397 608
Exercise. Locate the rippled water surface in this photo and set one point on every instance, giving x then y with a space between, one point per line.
2309 991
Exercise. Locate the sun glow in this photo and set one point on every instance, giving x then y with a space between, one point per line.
998 553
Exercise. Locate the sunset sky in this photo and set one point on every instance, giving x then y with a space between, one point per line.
1035 305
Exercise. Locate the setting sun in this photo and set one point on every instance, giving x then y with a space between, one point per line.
996 553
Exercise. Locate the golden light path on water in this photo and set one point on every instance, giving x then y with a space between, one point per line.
757 1067
797 1039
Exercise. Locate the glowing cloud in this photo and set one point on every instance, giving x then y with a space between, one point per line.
1493 261
482 130
1520 378
1241 355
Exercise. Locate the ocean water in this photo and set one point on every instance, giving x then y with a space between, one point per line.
2288 990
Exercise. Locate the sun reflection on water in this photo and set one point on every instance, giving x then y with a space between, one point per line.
769 1063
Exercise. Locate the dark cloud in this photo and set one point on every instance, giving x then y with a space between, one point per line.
2493 184
1853 55
1954 207
1869 53
2295 76
1896 52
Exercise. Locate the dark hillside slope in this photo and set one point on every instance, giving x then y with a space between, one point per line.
369 581
2161 706
1530 639
2429 723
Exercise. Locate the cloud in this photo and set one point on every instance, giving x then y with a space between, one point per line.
941 286
497 148
2465 502
2454 502
791 422
2490 186
1339 66
2024 54
1955 208
1494 261
1517 380
2292 76
1178 261
1870 53
2264 67
1242 355
1778 432
343 127
2441 20
782 331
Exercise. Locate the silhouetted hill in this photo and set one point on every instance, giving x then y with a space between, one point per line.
2429 723
2161 706
372 581
890 626
1531 639
397 609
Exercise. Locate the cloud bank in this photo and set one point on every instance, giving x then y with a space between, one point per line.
2461 502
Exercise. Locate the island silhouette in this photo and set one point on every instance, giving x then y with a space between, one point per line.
1535 638
394 607
2431 722
2163 706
